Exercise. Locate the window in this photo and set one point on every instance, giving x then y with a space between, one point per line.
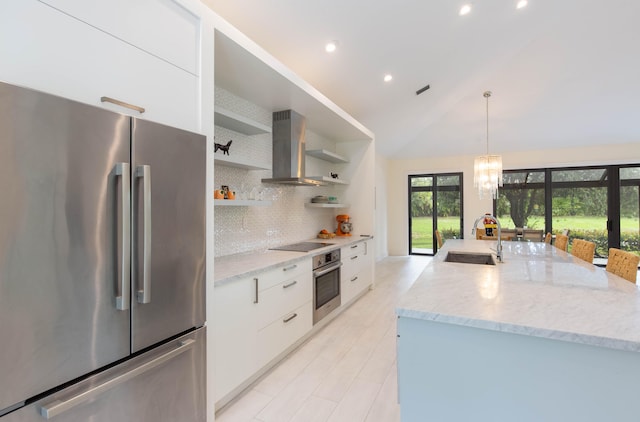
521 201
600 204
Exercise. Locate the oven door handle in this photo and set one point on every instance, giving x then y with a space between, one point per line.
327 270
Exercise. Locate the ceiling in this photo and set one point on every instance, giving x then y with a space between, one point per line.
562 73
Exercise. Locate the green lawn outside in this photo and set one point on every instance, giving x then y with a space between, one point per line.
422 236
422 228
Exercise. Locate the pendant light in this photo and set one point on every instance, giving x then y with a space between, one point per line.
487 169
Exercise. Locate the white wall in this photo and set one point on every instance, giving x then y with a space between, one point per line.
381 214
398 171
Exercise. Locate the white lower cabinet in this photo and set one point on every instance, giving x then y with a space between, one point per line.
256 319
60 55
235 331
284 297
283 332
356 273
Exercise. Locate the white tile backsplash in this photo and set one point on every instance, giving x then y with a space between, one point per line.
286 220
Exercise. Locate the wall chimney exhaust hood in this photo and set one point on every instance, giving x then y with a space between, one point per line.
289 150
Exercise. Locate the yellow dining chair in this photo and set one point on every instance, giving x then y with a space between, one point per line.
623 264
547 238
439 239
583 249
532 235
562 242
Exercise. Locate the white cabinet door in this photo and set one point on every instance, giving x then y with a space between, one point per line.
236 342
162 28
58 54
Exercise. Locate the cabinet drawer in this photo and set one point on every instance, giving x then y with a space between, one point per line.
356 283
352 264
357 248
283 298
282 333
162 28
270 278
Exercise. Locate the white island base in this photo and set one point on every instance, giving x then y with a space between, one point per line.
542 337
455 373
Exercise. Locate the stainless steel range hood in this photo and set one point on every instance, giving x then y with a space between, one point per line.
289 150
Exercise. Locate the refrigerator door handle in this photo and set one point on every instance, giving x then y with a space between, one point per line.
57 407
144 293
122 300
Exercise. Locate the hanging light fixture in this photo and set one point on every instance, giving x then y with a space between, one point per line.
487 169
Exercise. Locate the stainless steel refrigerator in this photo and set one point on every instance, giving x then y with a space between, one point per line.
102 264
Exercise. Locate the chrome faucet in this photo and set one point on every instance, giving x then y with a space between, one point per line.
499 245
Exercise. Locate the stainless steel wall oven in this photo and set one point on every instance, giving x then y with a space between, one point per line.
326 283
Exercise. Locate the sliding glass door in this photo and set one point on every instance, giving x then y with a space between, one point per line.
580 205
435 203
630 209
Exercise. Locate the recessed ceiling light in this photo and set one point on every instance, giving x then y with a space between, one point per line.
331 46
521 4
465 9
387 78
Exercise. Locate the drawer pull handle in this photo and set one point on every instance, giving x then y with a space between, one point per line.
354 257
293 283
257 297
354 279
122 104
290 318
294 266
354 246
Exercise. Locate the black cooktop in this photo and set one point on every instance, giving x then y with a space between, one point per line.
302 246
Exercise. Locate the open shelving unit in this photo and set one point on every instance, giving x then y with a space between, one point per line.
226 160
329 180
234 121
329 156
316 205
240 203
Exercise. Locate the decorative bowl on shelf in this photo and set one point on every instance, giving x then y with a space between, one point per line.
320 199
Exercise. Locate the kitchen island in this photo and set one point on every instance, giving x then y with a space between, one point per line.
543 336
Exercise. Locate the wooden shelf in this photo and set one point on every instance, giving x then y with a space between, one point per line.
329 180
316 205
325 155
237 123
240 203
226 160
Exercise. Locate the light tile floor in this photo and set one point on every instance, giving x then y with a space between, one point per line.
347 371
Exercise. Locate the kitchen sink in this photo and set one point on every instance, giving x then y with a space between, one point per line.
470 258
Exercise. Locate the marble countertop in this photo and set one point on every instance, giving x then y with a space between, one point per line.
539 290
233 267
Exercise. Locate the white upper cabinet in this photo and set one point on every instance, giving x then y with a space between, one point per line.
50 51
162 28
